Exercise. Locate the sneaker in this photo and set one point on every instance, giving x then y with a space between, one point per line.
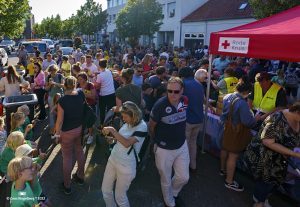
77 180
234 186
222 172
179 202
89 139
266 204
67 191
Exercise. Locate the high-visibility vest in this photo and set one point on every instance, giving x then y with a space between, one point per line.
267 102
230 84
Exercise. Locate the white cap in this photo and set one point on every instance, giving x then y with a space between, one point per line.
23 150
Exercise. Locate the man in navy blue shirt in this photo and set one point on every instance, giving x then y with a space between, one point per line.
195 93
167 128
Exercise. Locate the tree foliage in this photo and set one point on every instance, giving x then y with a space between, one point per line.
13 14
265 8
50 27
139 17
90 18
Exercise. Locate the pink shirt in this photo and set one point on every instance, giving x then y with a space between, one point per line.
39 80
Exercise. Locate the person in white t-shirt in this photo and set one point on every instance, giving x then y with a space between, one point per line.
89 67
121 165
105 84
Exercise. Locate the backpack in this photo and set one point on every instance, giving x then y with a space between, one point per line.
291 79
143 150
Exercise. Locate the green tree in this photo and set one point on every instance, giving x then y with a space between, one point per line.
139 17
68 27
90 18
265 8
13 14
51 27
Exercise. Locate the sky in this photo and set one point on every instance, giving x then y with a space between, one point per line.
65 8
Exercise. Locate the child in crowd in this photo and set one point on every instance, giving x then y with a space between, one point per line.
30 68
147 91
3 134
14 140
26 150
25 110
26 189
17 121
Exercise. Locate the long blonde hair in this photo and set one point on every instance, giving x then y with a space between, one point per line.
132 110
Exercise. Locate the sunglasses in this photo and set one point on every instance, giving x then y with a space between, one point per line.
140 71
174 91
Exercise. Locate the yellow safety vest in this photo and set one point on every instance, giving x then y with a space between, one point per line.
230 84
267 102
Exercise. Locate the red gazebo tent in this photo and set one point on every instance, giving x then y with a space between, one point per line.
276 37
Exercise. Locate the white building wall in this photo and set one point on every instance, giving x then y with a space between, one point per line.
172 24
207 27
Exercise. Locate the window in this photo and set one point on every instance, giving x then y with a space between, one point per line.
187 35
114 17
109 18
171 9
193 35
109 3
243 6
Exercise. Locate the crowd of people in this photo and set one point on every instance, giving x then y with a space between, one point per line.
158 93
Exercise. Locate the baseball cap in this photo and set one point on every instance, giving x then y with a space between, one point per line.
23 150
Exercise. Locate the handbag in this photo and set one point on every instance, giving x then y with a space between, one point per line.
89 116
236 137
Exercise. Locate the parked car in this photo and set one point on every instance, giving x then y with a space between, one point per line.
42 46
65 43
3 57
67 50
49 42
8 45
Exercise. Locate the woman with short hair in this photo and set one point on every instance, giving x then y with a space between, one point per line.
68 130
121 165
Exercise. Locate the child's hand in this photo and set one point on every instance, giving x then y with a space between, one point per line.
28 128
42 155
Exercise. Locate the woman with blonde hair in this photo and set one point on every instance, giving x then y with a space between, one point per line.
146 62
69 131
121 165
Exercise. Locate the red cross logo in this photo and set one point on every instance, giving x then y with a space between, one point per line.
225 44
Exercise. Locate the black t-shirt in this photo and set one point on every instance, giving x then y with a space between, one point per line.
130 92
73 111
171 121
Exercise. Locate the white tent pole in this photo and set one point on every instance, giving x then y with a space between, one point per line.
207 101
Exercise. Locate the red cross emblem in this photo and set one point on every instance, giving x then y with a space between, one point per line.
225 44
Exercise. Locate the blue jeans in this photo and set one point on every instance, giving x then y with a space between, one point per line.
262 190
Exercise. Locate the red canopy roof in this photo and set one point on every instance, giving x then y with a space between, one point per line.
275 37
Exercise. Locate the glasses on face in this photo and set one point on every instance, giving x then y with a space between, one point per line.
173 91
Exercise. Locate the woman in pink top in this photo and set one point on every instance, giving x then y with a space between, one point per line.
38 88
